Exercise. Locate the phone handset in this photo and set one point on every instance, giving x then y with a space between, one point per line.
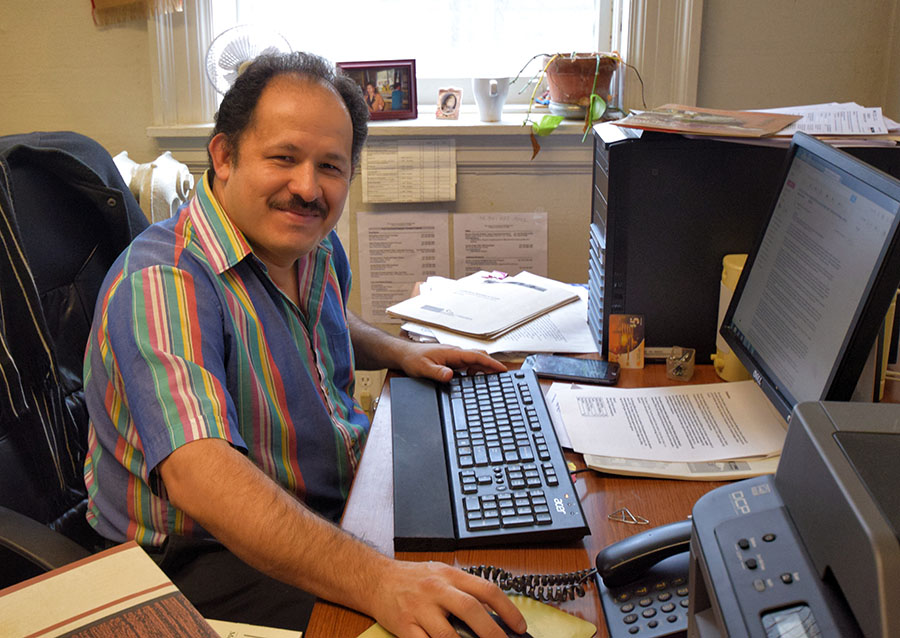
629 559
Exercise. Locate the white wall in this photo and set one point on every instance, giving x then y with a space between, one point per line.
769 53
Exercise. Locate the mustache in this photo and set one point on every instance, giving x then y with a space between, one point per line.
298 203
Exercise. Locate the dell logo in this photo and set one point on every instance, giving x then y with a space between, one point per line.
560 506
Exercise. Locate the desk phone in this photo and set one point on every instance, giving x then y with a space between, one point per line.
643 582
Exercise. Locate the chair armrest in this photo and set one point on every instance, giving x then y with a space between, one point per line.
37 543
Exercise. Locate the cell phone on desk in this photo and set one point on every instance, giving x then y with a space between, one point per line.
551 366
643 583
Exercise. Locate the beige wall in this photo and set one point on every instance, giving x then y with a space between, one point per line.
60 72
769 53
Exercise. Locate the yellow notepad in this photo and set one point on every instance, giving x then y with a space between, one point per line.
543 621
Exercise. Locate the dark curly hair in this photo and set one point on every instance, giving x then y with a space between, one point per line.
236 110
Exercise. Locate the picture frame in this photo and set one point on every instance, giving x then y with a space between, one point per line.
389 87
448 103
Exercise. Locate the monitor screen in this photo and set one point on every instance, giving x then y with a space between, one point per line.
814 291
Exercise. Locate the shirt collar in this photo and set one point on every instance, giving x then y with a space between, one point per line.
222 241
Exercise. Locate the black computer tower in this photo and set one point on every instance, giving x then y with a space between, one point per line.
665 210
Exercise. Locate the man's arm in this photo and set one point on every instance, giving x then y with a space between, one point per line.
375 349
231 498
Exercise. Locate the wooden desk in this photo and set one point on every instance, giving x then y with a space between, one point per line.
369 515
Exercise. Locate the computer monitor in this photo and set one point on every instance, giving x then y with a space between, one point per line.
815 289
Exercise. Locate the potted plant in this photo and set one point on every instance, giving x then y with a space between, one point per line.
581 86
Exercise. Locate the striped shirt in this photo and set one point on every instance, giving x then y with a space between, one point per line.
191 340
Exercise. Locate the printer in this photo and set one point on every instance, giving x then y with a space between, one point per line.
812 550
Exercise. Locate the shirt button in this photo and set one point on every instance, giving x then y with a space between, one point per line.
111 202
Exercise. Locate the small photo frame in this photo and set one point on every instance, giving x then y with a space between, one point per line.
389 87
448 104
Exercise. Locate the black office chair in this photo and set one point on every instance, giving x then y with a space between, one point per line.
65 214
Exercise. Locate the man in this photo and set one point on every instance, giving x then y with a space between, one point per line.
397 95
219 376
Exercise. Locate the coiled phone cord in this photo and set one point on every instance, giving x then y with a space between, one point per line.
542 587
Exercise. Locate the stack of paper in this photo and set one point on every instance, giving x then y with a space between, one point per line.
486 306
841 124
715 431
845 123
563 329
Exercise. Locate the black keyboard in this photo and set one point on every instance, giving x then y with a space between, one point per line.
477 463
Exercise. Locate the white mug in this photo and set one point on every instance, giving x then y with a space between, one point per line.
490 96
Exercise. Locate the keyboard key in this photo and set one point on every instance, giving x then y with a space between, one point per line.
517 521
483 524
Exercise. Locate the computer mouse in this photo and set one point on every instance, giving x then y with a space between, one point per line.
464 632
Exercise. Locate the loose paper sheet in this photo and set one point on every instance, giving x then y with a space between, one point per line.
705 471
683 424
409 171
509 242
396 250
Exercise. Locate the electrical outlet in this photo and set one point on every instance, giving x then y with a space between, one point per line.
368 388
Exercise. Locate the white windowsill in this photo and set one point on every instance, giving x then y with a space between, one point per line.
425 124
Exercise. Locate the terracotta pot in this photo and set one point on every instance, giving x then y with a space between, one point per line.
570 77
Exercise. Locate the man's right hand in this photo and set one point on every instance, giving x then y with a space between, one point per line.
413 600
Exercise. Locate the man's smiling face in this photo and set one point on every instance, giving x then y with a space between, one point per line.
286 184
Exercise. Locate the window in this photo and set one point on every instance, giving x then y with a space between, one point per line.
451 42
448 39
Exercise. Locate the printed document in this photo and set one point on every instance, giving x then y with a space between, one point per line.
397 249
486 306
500 241
727 470
847 118
684 424
409 171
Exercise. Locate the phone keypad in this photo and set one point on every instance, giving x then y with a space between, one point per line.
653 606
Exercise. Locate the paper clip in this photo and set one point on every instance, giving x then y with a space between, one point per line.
624 515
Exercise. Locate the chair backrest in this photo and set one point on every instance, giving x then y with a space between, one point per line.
67 215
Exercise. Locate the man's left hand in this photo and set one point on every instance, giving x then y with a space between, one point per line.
437 361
